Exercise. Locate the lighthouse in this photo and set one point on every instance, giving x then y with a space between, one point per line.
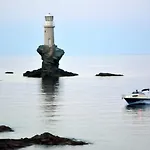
49 30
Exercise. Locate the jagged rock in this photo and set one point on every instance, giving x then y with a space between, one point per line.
43 139
4 128
35 73
50 63
62 73
108 74
50 57
50 139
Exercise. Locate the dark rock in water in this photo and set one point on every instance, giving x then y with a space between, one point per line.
43 139
50 63
108 74
4 128
9 72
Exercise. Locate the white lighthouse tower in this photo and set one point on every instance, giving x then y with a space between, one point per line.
49 30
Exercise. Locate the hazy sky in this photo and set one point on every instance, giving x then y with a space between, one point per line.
82 26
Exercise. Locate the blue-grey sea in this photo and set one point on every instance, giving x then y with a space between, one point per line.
84 107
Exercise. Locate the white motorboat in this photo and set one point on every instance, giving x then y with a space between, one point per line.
138 97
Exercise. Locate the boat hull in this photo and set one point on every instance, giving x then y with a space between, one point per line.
137 100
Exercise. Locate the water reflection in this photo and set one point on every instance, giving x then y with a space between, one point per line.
139 111
50 86
50 90
143 107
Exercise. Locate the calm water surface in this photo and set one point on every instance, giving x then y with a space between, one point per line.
83 107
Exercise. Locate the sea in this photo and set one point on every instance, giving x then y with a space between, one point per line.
84 107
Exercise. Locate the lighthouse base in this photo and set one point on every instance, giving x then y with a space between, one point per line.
50 63
38 74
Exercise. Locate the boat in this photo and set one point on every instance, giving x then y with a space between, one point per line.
138 97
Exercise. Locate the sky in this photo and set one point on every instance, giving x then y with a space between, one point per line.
83 27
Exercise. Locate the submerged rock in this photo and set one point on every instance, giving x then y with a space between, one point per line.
108 74
4 128
50 63
9 72
43 139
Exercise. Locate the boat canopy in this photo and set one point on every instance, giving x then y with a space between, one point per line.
145 90
140 92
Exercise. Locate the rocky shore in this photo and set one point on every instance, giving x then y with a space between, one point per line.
43 139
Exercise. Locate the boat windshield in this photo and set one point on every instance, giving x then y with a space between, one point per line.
136 92
140 92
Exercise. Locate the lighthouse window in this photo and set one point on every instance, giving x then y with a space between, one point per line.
45 31
47 18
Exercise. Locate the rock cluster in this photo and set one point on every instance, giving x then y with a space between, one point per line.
50 63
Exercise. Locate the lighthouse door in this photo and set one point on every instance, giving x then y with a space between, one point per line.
49 42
